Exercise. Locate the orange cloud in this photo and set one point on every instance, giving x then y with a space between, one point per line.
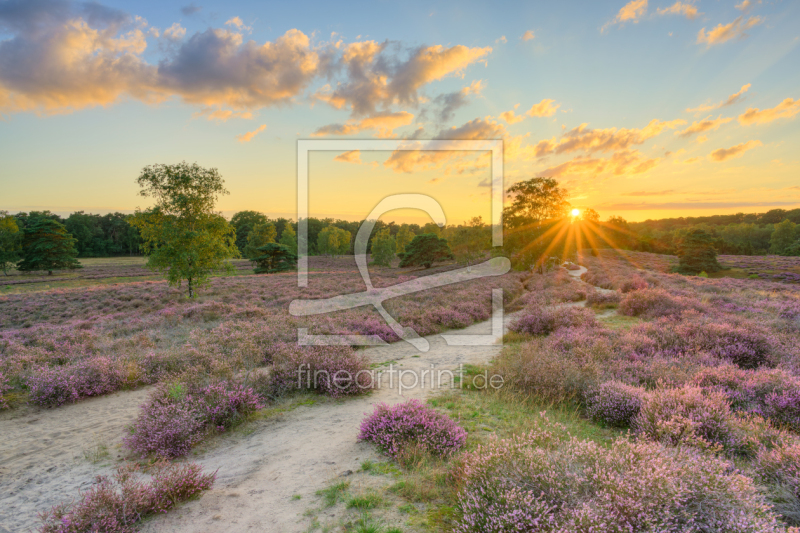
786 109
451 161
726 32
680 8
247 137
632 11
545 108
604 140
734 151
703 125
378 80
385 123
732 99
353 156
528 36
221 114
625 162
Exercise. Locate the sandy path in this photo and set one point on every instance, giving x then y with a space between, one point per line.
42 459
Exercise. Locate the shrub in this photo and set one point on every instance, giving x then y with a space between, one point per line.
685 415
540 320
603 298
4 387
411 424
117 505
51 387
615 403
634 283
539 483
177 416
651 303
335 371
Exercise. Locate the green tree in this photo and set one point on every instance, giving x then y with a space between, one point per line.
275 258
383 248
289 238
403 238
783 237
46 245
10 243
535 200
697 254
89 234
261 234
244 222
425 250
333 241
182 235
470 240
432 227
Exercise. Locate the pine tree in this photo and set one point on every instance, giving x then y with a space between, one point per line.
46 245
275 258
697 253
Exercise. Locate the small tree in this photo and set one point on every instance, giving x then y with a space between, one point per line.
383 247
182 235
425 250
289 238
263 233
403 238
697 253
10 242
783 237
275 258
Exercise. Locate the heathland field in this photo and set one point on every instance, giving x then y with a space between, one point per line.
623 398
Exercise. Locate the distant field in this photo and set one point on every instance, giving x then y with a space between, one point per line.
770 267
96 270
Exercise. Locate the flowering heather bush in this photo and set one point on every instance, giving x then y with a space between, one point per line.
603 299
615 403
685 415
116 505
539 483
653 303
411 424
177 416
771 393
51 387
539 320
635 283
4 387
335 371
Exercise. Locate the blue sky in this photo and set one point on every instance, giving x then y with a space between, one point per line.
91 93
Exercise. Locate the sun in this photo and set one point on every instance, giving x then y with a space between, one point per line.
576 212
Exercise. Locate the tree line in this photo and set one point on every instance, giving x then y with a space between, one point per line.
775 232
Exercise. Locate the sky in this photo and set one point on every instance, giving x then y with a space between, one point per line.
649 109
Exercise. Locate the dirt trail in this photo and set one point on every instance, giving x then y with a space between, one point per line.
42 454
42 460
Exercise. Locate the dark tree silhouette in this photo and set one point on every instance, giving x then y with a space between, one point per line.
425 250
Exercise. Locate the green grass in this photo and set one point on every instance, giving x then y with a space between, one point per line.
331 495
370 500
379 468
